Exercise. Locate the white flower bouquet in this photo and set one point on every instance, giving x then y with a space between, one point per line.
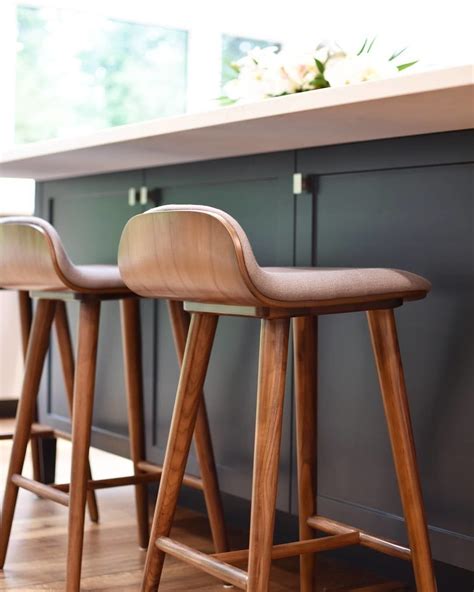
270 72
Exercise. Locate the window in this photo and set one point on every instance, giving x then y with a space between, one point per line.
77 72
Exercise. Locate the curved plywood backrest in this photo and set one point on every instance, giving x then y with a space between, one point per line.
30 254
188 253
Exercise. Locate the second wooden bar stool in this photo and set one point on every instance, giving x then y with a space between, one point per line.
32 258
202 256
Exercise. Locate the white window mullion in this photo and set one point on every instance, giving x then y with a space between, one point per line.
204 68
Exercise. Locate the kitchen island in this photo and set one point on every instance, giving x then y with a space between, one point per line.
377 174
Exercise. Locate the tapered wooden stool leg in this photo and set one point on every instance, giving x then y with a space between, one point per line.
37 348
305 362
66 353
26 315
26 312
188 399
389 366
83 402
270 396
131 337
202 439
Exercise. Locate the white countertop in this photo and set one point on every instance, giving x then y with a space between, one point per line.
411 104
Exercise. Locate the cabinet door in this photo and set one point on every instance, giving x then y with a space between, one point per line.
257 191
89 214
375 209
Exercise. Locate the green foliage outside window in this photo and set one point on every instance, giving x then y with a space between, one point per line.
77 73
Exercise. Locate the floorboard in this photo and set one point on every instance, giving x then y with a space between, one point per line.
112 559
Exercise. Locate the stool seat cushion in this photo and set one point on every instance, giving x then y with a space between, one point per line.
32 257
97 277
329 284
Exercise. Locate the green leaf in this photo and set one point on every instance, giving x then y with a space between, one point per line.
363 47
319 82
224 101
407 65
320 65
371 44
395 54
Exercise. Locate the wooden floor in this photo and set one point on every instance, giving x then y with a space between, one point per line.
112 560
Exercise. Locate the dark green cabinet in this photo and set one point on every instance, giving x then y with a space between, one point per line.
404 203
89 215
384 212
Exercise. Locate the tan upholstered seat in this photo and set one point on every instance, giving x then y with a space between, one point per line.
308 283
32 257
201 253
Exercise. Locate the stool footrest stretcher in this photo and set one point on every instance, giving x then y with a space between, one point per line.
188 480
382 545
219 564
219 569
41 489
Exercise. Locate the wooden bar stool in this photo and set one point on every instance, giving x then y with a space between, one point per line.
202 256
33 259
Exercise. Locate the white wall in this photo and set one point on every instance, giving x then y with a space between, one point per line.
16 197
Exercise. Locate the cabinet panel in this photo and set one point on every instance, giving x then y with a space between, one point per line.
419 219
89 215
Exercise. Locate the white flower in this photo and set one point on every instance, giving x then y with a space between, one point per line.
328 49
268 72
299 69
352 69
258 58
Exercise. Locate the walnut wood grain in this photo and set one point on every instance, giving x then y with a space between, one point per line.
26 315
303 548
270 395
178 254
188 399
305 334
66 353
197 254
37 348
32 257
202 439
41 490
366 539
392 384
112 562
28 259
132 352
207 563
83 401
